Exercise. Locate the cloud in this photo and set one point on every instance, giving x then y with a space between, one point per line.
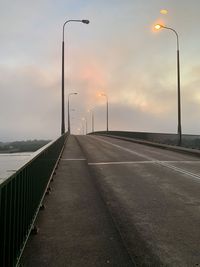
116 53
29 103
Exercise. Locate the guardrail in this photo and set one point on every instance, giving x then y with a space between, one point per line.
188 140
20 198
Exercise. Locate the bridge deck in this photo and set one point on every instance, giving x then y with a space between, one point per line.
148 195
76 228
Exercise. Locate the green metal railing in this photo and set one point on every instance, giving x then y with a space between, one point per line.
20 198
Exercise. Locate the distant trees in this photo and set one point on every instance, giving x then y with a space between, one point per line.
22 146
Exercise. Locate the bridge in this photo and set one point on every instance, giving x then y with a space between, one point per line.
104 199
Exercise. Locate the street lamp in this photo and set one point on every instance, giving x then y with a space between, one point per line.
78 130
83 129
63 68
69 128
85 119
158 27
103 94
92 113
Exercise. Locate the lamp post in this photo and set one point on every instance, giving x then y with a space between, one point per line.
92 120
78 131
92 117
158 27
63 69
103 94
69 128
85 119
82 127
86 126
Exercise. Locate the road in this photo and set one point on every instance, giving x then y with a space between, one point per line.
153 196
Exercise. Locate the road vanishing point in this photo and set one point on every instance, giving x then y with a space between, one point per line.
119 203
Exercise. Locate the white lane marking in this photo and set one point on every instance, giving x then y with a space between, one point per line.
126 149
196 176
180 161
138 162
72 159
118 162
162 163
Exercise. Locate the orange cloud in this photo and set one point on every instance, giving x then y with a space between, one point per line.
94 75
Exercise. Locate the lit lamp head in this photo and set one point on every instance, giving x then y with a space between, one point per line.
158 26
102 94
164 11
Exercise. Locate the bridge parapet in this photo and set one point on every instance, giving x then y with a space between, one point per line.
188 140
20 198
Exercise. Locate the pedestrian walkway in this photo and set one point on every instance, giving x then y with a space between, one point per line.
75 229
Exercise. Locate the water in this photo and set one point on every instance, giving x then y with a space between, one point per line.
10 163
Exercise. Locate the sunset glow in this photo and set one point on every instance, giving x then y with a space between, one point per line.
121 53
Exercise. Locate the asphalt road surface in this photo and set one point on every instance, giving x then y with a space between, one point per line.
153 196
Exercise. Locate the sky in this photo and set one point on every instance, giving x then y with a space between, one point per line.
118 53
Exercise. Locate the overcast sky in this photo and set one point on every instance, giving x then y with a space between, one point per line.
118 53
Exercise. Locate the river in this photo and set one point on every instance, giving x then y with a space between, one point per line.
10 163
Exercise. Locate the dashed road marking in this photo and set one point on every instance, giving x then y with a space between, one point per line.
154 161
72 159
139 162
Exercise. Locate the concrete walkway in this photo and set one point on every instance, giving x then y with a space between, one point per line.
76 228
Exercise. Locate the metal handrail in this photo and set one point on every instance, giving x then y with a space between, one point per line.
20 198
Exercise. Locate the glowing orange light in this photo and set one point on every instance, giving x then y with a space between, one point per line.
157 26
102 94
164 11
